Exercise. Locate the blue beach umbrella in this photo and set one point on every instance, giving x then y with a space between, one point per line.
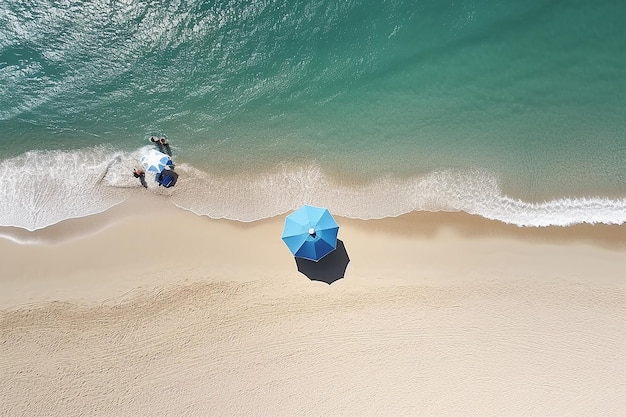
310 233
155 161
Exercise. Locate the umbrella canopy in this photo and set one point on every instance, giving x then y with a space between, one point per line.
310 233
155 161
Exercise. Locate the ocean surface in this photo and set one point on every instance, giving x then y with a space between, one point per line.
514 111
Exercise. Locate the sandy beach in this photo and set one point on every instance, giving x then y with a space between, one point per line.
147 309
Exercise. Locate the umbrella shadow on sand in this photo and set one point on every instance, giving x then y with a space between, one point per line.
329 269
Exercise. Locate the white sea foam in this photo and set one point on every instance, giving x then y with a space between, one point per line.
41 188
473 191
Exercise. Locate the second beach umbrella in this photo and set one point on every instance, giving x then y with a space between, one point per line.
155 161
310 232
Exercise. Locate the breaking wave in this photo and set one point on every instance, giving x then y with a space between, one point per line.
472 191
41 188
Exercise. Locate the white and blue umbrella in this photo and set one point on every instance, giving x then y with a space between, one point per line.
155 161
310 233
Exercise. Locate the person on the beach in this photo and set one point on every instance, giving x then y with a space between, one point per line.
165 144
158 143
139 173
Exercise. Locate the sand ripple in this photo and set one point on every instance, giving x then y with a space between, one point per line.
248 349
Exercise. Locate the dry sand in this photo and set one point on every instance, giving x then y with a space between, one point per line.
151 312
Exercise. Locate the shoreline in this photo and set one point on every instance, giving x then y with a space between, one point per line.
415 223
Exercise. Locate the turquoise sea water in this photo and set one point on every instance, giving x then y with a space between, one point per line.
514 111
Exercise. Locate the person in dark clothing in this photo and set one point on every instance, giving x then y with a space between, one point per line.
158 144
139 173
165 145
